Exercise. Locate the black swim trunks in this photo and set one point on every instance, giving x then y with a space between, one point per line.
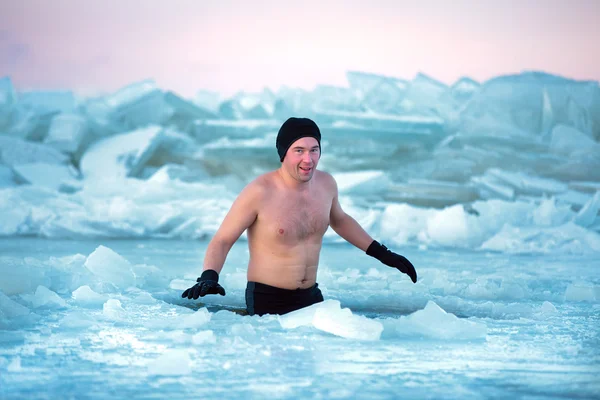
264 299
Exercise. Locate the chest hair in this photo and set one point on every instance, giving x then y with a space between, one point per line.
300 218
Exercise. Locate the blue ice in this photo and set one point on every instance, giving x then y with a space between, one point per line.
492 189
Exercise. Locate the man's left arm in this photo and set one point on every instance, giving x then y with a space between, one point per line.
350 230
347 227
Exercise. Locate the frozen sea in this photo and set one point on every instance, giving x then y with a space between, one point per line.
491 189
476 325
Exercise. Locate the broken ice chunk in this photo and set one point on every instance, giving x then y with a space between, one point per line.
567 140
52 176
77 320
201 337
342 322
362 182
66 132
328 316
464 88
113 309
86 297
208 100
185 112
7 177
548 308
122 155
171 363
48 101
44 297
431 193
580 292
131 93
526 184
148 109
11 309
490 187
7 92
583 186
7 100
18 151
110 267
574 198
587 215
433 322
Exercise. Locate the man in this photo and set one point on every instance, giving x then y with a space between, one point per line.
286 213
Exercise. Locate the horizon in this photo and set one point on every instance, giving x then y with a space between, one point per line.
99 47
86 93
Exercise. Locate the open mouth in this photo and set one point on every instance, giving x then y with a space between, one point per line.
305 169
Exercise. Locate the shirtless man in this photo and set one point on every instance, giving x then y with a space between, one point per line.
286 213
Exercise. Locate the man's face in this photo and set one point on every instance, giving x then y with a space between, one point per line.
302 158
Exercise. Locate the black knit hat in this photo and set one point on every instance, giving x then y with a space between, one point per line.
294 129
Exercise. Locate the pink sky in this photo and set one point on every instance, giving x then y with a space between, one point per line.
227 45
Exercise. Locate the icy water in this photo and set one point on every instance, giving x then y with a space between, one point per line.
512 326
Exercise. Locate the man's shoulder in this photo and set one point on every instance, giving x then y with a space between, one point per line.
266 180
324 175
261 183
326 178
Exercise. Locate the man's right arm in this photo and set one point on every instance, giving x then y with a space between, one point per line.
242 214
240 217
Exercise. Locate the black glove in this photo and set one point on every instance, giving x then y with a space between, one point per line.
208 283
392 259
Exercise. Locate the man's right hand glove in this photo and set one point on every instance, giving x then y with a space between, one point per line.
208 283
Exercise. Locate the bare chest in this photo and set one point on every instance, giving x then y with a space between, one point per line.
295 218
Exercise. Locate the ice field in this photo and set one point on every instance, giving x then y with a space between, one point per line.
476 325
491 189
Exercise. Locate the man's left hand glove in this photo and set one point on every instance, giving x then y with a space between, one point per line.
392 259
